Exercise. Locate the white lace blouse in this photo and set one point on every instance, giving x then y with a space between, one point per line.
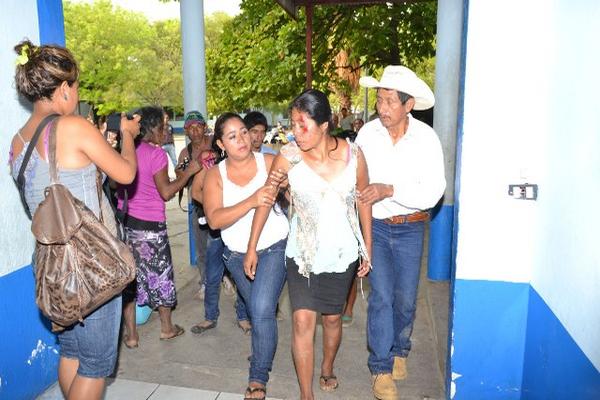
325 234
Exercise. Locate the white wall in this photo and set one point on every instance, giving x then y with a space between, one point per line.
16 240
532 113
567 260
500 143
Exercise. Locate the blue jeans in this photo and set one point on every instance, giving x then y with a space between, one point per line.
94 342
261 297
397 251
213 276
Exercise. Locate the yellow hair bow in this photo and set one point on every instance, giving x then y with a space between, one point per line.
23 59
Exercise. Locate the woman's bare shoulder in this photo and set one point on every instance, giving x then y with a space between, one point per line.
77 126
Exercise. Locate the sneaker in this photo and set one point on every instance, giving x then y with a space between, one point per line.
399 371
384 387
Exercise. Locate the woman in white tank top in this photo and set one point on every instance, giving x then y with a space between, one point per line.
326 241
232 192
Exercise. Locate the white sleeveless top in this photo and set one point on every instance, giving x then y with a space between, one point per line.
236 236
325 233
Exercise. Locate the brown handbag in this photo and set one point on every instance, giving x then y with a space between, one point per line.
79 263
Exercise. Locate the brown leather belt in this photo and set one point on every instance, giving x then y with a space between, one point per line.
402 219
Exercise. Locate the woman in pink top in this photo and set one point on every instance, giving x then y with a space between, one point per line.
146 228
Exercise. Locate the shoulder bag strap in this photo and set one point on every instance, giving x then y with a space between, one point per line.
27 156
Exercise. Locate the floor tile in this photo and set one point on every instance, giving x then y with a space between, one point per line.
165 392
52 393
120 389
233 396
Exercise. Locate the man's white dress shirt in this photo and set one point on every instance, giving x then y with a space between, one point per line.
414 166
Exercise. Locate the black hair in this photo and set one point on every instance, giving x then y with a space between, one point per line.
151 117
254 118
404 97
316 105
218 132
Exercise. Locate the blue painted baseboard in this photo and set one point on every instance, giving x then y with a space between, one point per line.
508 344
555 367
28 348
440 244
488 332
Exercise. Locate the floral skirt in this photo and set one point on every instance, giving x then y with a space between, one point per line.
154 284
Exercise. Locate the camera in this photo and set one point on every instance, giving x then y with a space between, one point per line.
184 164
113 129
113 122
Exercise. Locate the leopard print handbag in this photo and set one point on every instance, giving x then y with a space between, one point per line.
79 263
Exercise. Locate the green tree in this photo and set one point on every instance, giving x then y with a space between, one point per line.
261 56
125 61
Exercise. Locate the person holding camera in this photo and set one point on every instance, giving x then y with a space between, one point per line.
47 76
146 228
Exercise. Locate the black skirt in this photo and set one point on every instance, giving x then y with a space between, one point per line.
325 293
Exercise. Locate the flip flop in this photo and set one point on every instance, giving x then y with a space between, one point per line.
199 329
324 383
347 321
252 390
246 329
178 332
130 346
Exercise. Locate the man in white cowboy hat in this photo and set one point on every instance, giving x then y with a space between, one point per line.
406 171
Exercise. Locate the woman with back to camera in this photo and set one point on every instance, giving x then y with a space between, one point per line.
325 243
232 192
146 228
47 76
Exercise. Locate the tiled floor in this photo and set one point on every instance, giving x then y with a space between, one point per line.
214 365
119 389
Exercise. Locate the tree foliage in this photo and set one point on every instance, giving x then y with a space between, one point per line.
261 56
125 61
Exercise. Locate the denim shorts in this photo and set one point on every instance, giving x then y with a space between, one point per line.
94 342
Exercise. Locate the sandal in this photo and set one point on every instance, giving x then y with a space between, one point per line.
251 390
127 344
325 385
347 321
245 326
178 332
199 328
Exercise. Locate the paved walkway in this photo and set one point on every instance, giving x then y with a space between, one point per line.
214 365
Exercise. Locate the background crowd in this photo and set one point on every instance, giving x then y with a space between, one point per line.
320 213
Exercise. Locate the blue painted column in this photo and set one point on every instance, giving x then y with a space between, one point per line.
194 75
51 22
447 76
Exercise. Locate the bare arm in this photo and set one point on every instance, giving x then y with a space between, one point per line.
89 141
220 217
198 186
364 212
277 174
168 188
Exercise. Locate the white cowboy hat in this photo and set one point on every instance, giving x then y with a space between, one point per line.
404 80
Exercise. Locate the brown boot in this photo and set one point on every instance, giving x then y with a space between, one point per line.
384 387
399 371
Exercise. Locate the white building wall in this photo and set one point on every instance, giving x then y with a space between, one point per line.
16 240
566 271
531 114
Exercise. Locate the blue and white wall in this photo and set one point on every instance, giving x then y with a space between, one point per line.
28 350
525 319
